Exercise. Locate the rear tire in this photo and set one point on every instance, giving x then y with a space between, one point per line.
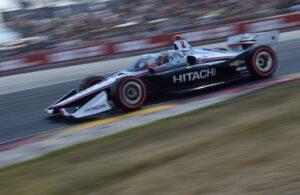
263 62
128 93
90 81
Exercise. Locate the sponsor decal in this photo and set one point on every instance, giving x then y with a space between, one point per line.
196 75
238 63
183 44
98 107
76 54
242 68
249 37
17 63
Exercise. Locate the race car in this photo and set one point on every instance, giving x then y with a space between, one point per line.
183 68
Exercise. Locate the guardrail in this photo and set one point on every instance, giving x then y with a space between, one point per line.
74 55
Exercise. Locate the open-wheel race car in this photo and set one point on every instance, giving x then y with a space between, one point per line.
183 68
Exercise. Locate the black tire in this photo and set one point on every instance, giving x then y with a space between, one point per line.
262 62
128 93
90 81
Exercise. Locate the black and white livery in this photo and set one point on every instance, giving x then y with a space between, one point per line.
183 68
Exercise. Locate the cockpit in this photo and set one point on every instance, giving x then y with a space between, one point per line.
145 61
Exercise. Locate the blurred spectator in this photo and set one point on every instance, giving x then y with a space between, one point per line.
123 19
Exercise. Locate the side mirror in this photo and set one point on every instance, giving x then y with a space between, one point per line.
152 68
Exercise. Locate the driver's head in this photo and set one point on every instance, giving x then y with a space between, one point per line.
164 59
158 60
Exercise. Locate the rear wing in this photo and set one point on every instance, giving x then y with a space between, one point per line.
244 41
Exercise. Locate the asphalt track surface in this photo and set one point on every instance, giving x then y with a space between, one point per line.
21 108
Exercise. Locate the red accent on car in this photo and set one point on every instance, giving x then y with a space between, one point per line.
183 44
63 112
177 37
242 43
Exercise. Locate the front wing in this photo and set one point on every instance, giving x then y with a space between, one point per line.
96 105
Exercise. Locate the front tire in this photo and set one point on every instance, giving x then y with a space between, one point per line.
128 93
263 62
90 81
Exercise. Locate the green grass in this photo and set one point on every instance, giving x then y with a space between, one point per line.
248 145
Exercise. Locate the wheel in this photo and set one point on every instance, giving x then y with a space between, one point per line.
263 62
128 93
90 81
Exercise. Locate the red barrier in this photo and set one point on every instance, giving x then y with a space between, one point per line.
57 57
156 42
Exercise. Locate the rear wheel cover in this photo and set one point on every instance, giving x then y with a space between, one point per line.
129 93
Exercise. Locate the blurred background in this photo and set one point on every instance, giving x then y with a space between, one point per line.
35 25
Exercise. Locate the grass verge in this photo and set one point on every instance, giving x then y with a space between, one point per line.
248 145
